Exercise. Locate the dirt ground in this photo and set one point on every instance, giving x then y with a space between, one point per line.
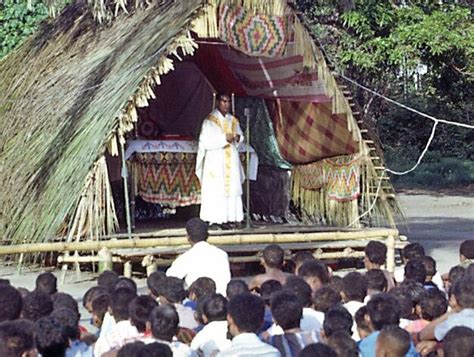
440 222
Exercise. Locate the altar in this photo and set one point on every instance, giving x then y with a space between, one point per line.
162 171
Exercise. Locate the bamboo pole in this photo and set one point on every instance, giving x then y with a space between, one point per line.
182 241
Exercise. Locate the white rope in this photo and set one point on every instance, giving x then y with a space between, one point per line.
405 106
372 205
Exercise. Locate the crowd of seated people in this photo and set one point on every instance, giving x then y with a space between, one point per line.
310 312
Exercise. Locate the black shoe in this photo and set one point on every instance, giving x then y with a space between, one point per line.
214 227
226 226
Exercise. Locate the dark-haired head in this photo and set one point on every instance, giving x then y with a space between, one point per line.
337 318
300 288
286 309
139 311
90 295
315 273
383 310
236 287
46 282
214 307
11 303
36 305
120 301
51 338
375 255
466 250
196 230
412 250
17 338
126 283
164 322
273 256
433 305
108 279
354 286
343 344
325 298
393 341
63 300
172 290
463 291
376 281
201 287
415 270
245 313
153 282
268 288
459 342
69 320
317 349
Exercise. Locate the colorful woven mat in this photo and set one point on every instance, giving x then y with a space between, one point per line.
167 179
310 176
308 132
253 34
342 177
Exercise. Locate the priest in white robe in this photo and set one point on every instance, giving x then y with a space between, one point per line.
218 165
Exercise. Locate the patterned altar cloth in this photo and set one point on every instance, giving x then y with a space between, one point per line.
163 171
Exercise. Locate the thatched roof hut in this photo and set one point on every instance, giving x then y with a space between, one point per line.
71 92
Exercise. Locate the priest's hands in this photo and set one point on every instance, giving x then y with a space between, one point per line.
232 137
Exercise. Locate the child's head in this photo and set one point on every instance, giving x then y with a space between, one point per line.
300 257
300 288
286 309
126 283
337 318
433 305
273 256
139 311
383 310
463 291
99 306
411 251
315 273
375 255
325 298
153 283
362 322
376 281
11 303
415 270
69 320
119 303
354 287
459 342
201 287
214 308
392 341
268 288
108 279
236 287
430 266
36 304
245 313
466 250
17 338
51 338
61 300
164 322
455 273
90 295
46 282
343 344
171 290
405 301
318 349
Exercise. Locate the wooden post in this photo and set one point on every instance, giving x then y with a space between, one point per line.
105 260
127 269
391 253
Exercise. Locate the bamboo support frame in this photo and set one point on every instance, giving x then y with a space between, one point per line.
182 241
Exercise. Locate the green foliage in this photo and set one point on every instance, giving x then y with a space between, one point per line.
17 22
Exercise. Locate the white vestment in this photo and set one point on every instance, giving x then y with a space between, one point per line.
219 170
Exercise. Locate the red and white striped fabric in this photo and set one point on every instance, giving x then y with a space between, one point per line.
282 78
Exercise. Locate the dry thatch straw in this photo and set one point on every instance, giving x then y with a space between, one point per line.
65 87
71 91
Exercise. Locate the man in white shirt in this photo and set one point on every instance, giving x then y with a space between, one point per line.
202 260
218 165
245 316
